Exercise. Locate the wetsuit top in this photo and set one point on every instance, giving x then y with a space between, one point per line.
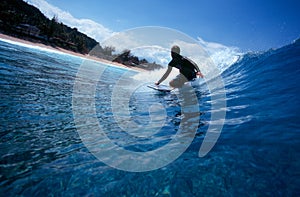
185 66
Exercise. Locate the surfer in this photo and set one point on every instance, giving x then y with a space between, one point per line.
187 68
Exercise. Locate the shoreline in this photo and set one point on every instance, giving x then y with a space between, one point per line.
61 50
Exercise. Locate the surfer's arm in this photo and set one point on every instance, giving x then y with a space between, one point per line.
197 68
165 75
198 72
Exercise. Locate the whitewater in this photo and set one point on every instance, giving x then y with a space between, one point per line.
42 153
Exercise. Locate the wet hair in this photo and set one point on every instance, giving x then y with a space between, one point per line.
175 49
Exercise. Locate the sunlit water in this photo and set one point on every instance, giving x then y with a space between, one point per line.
42 154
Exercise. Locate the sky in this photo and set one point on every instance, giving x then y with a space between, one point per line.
249 25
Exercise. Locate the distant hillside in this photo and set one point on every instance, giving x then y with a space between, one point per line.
17 18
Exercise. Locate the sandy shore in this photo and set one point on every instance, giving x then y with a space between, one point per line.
14 39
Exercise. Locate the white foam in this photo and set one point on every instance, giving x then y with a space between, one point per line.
32 46
222 56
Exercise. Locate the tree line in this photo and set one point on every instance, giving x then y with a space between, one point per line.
19 19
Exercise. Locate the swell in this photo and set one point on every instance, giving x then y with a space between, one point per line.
262 89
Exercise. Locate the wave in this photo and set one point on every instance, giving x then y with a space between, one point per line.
222 56
267 83
259 141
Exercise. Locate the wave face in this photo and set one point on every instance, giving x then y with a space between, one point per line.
266 87
41 152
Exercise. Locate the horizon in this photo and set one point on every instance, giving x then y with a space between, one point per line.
247 25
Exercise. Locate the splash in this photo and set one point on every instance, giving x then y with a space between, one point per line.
223 56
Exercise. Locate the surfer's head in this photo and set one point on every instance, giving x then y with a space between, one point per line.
175 50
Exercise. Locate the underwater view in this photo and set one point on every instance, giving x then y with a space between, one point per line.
43 153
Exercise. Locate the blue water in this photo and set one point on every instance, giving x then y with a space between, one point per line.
42 154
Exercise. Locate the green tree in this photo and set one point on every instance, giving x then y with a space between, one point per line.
108 50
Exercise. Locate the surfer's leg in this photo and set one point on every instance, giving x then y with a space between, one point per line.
178 81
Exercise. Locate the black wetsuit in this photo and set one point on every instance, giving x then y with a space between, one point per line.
186 67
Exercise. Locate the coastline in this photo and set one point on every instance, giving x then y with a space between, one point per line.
61 50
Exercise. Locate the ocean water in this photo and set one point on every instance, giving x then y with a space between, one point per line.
42 152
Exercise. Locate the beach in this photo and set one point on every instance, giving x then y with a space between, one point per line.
61 50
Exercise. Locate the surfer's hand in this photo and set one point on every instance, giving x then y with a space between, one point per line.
200 74
156 83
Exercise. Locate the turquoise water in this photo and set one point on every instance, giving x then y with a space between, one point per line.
42 154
